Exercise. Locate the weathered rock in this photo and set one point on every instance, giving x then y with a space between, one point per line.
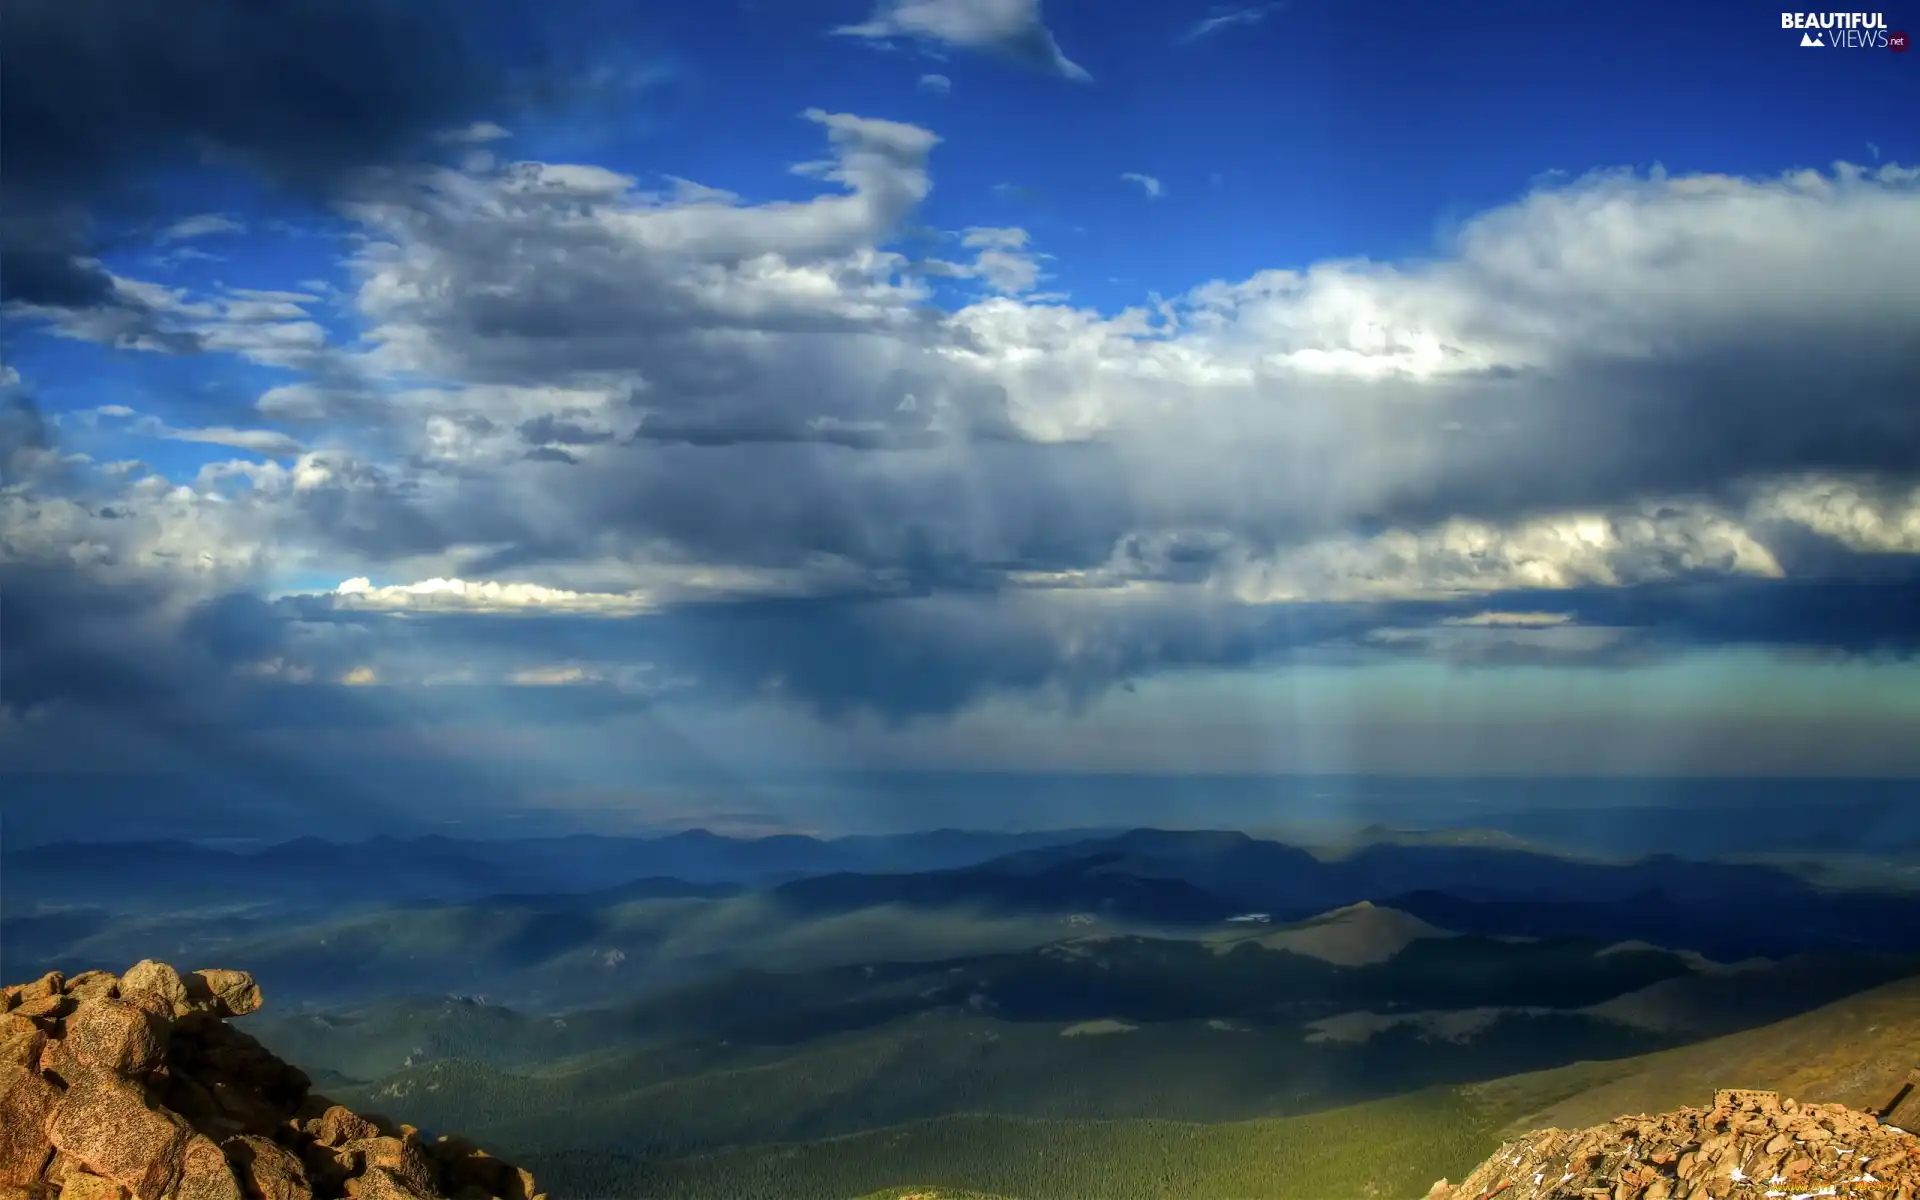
1748 1143
85 1185
27 1100
105 1123
400 1155
92 985
224 993
205 1174
157 979
46 1008
20 1040
268 1170
58 1167
115 1037
339 1125
381 1184
135 1089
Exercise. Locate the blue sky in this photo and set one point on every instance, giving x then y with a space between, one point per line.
961 384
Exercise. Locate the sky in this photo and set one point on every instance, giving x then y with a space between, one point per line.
425 408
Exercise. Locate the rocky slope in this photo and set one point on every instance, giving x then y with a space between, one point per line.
1749 1144
136 1086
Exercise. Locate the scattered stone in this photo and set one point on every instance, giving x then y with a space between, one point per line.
1749 1143
339 1127
267 1169
225 993
85 1185
135 1088
88 985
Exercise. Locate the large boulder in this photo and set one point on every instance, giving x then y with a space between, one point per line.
105 1123
116 1037
224 993
136 1088
27 1101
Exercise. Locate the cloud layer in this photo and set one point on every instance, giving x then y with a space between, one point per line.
637 441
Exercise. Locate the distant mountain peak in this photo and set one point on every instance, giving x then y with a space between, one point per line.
1360 934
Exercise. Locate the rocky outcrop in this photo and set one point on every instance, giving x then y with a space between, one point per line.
1749 1144
136 1087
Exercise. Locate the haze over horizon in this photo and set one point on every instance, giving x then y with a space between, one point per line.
456 415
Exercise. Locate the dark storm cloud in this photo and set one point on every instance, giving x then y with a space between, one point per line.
562 429
901 659
94 94
1874 616
770 429
98 95
96 91
1697 422
51 277
93 679
933 654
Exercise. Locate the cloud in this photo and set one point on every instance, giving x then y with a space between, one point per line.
479 133
1009 29
460 596
1511 620
98 93
101 95
260 441
268 442
936 85
1148 183
1502 645
1002 260
559 675
202 225
623 423
1223 19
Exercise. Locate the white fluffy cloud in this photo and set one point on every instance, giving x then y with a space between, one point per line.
1011 29
589 398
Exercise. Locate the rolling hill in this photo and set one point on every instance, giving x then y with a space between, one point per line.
566 922
1090 1027
1845 1052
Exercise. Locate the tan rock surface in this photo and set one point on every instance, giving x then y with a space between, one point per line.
136 1088
1748 1144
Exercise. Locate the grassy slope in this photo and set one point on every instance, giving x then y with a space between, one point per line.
682 1100
1855 1052
1387 1149
927 1193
